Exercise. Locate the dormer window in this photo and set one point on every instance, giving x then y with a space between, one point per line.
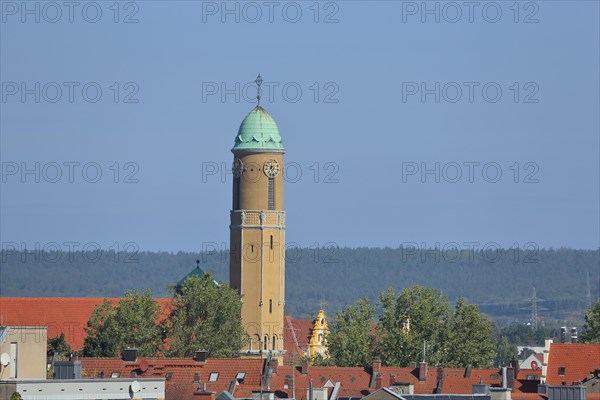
240 377
214 376
561 371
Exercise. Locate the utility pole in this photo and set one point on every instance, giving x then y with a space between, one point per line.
293 379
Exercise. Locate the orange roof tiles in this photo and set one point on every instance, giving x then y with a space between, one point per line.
68 315
579 360
71 314
296 336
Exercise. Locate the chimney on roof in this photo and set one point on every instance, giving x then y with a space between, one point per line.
200 356
423 371
378 380
510 377
563 334
440 380
129 354
574 334
515 365
305 365
468 371
376 365
204 395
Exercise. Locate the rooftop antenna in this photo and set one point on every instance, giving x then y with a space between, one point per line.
258 82
424 349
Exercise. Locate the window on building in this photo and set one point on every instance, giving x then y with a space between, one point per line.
271 242
274 342
214 376
115 374
266 343
561 371
168 375
196 377
270 306
271 193
236 193
240 377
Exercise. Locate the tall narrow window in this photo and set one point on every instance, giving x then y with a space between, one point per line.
271 193
274 342
266 343
236 193
270 306
271 242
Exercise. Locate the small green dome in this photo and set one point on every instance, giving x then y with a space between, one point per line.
258 132
195 272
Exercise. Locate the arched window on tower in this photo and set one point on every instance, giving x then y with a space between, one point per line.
266 343
256 342
274 342
271 193
270 306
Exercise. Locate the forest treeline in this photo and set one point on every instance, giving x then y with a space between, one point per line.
500 281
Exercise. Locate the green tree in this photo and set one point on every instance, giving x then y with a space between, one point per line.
417 315
133 322
506 352
58 346
16 396
591 329
350 343
205 316
470 338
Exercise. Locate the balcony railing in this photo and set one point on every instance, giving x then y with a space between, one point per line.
253 218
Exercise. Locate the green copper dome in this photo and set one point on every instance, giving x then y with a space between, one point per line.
258 132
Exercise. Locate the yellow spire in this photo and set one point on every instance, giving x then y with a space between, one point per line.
318 339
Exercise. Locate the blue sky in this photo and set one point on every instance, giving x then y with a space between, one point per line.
387 92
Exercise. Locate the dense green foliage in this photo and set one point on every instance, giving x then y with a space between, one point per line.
204 315
58 346
207 317
500 287
416 323
352 338
591 329
133 322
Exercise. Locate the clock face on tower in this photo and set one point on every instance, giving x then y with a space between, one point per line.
271 168
237 168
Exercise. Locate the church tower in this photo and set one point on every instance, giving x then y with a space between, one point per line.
257 231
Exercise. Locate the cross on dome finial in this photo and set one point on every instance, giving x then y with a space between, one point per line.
258 82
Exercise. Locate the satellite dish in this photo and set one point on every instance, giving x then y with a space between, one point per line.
534 365
4 359
135 386
143 365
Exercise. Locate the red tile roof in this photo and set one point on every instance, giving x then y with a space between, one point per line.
68 315
181 383
296 336
579 360
355 382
